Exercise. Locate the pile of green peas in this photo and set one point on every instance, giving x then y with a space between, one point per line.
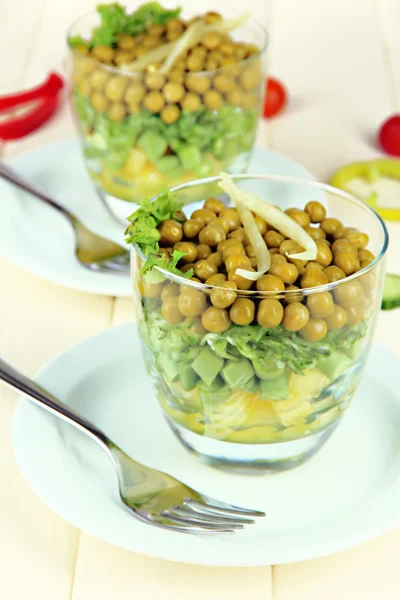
215 245
213 72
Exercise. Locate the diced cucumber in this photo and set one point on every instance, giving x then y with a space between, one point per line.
214 394
169 166
267 369
187 377
335 364
191 354
391 292
275 389
190 157
207 365
153 144
251 386
169 366
237 373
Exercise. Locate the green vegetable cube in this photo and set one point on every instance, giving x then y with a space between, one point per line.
190 157
188 377
214 394
169 366
335 364
267 369
275 389
237 373
169 166
207 365
153 144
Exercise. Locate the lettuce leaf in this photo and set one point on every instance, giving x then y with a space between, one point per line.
143 231
281 346
251 341
115 19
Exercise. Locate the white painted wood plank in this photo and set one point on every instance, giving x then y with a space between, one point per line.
20 21
388 14
128 575
124 311
330 57
37 321
369 572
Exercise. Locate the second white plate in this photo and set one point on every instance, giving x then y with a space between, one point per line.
36 238
347 494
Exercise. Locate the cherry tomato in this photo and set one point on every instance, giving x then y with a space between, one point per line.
275 98
389 135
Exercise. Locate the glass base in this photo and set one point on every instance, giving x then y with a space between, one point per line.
251 459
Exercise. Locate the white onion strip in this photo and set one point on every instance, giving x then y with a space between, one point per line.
281 221
250 226
192 36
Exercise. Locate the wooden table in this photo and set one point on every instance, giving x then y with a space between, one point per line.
338 59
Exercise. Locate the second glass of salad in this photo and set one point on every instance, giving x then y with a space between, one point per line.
256 308
163 95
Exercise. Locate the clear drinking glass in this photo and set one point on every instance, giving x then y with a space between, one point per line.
142 132
249 398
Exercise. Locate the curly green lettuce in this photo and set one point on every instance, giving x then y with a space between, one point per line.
115 19
143 231
250 341
283 347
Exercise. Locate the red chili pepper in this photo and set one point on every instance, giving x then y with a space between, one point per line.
47 97
50 87
18 127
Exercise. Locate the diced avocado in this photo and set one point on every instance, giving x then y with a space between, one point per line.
207 365
169 366
153 144
190 354
267 369
187 377
275 389
251 386
237 373
169 166
214 394
334 365
190 157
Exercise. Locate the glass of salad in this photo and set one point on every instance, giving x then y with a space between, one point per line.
164 95
256 309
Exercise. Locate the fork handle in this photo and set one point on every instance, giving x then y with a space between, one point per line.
24 183
39 396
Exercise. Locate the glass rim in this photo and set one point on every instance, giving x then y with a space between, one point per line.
284 293
119 71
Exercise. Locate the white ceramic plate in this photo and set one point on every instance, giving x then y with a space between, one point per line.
38 239
347 494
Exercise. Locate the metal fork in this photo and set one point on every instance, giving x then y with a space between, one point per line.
151 496
92 251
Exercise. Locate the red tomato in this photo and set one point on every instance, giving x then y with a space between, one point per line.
275 98
389 135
